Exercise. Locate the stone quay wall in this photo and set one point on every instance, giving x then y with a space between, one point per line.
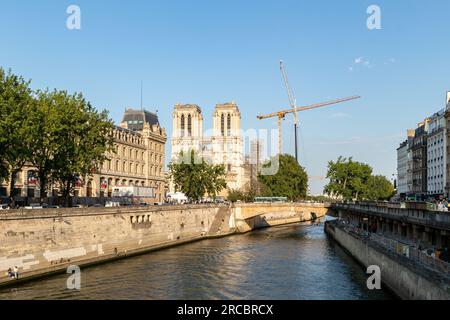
44 242
401 275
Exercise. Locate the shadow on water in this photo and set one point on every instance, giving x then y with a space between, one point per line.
287 262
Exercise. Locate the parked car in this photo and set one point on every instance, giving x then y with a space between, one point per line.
112 204
53 207
35 206
4 207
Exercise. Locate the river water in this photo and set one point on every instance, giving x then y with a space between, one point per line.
290 262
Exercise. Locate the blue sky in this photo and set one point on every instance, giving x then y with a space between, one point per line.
208 52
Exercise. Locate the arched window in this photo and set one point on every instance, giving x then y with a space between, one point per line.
182 125
189 126
229 125
89 189
117 165
222 125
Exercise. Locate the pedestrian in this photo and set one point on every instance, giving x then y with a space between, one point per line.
10 273
16 273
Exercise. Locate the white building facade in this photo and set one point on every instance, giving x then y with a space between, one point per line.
436 155
402 168
221 145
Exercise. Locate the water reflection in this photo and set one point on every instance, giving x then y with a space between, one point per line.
290 262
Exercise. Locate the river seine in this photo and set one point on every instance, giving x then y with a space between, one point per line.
289 262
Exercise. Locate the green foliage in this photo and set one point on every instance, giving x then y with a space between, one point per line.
86 136
352 180
289 181
379 188
16 105
194 177
246 195
235 195
62 135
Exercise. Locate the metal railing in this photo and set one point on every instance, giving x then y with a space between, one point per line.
407 250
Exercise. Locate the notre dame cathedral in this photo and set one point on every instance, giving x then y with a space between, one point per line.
221 145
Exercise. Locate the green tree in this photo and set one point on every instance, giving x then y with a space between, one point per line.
379 188
84 137
289 181
193 176
16 140
235 195
49 135
352 180
348 179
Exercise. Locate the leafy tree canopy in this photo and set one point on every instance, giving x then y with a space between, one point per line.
195 177
289 181
352 180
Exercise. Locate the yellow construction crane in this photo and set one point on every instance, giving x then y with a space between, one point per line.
282 114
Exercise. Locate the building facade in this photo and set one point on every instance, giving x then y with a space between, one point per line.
447 145
419 159
409 163
221 145
137 159
436 155
402 168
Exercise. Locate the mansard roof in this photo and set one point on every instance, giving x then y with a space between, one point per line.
135 119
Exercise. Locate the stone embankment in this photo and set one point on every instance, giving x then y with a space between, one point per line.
44 242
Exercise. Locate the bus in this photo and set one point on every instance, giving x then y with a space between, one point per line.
271 199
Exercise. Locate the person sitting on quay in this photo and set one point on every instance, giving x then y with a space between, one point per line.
10 273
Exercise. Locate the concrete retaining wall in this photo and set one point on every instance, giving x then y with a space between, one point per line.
43 242
406 281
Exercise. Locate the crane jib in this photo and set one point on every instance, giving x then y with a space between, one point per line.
304 108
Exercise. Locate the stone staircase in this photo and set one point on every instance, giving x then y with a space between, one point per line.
220 224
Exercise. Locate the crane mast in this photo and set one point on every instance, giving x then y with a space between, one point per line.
293 104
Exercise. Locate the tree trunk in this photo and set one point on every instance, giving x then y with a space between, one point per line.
12 185
42 185
67 193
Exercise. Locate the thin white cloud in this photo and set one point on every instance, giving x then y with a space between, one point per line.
360 62
390 61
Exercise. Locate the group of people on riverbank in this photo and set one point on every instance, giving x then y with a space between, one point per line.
442 204
13 273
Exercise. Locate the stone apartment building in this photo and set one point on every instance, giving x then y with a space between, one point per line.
427 161
138 160
436 155
419 159
402 168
